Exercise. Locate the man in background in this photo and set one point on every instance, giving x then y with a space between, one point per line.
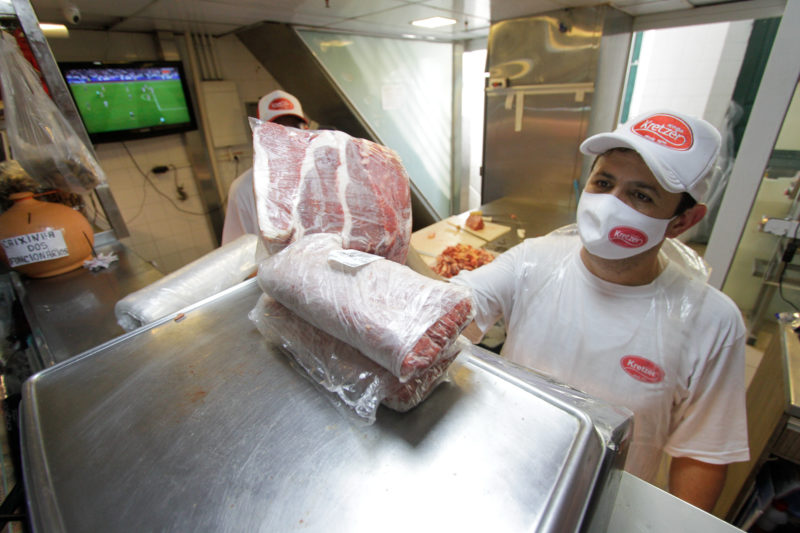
281 108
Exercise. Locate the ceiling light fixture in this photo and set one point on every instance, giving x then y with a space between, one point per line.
433 22
54 31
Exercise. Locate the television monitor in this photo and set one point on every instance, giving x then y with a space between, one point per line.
132 100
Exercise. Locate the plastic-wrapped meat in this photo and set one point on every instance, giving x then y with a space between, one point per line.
323 181
398 318
357 382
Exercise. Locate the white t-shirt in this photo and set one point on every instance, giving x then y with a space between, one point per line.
671 351
240 215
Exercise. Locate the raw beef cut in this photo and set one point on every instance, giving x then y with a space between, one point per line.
324 181
356 381
400 319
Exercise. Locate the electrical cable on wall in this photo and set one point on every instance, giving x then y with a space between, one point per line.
146 176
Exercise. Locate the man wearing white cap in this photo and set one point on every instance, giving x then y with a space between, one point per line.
240 217
616 307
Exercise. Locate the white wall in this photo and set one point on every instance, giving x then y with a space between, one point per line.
164 230
253 81
690 69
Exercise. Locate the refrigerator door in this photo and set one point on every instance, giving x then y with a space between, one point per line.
542 72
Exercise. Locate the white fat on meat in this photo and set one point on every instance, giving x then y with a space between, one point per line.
368 205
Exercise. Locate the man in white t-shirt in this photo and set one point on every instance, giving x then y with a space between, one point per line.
619 309
240 216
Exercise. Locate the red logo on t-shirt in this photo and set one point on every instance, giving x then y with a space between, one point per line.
627 237
642 369
666 130
281 103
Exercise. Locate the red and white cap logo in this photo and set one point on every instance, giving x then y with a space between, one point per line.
642 369
666 130
627 237
281 104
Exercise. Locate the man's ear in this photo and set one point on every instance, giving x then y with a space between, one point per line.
686 220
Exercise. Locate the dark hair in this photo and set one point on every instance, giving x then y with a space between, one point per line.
686 202
292 121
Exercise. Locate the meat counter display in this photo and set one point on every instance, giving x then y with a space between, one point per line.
196 423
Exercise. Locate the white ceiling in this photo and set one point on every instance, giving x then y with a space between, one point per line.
384 17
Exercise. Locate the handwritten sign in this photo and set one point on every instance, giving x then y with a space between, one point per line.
35 247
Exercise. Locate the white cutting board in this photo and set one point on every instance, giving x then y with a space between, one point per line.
490 230
432 240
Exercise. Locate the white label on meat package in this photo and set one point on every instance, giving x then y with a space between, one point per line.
35 247
352 259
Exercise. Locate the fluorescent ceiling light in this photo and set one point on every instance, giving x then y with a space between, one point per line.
54 31
433 22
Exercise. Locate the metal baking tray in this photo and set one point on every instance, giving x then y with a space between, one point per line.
195 423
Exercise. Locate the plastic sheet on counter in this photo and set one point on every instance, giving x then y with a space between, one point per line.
216 271
42 140
325 181
355 383
400 319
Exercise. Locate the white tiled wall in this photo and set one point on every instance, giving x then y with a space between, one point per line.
163 229
690 69
253 81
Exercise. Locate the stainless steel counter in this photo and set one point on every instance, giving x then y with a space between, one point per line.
643 508
73 312
195 423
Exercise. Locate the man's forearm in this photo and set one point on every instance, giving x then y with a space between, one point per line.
696 482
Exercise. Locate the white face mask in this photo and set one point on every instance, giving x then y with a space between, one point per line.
611 229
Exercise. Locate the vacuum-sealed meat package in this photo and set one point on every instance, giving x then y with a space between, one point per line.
400 319
355 382
325 181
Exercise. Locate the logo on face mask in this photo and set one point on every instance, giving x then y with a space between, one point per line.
642 369
627 237
666 130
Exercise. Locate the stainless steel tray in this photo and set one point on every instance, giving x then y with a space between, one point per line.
196 424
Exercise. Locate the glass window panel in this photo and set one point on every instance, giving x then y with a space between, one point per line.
758 280
403 90
661 77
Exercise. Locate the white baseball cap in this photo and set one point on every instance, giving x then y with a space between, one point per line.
278 104
679 150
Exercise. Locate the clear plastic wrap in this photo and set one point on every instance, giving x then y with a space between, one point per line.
400 319
355 382
42 140
671 351
325 181
218 270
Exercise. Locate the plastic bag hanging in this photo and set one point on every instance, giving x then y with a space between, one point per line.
41 138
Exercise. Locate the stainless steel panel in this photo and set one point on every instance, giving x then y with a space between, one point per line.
74 312
535 124
196 424
791 364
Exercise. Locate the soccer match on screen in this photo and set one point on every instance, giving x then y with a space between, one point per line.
111 99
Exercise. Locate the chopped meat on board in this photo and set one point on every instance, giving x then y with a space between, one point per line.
460 257
400 319
325 181
474 221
